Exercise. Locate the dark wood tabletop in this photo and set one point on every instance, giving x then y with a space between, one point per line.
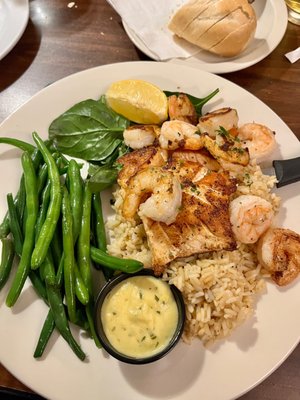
60 40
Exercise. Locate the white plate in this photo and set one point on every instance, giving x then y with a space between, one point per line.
189 372
271 26
14 16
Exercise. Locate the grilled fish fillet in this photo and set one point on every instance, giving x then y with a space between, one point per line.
202 224
138 160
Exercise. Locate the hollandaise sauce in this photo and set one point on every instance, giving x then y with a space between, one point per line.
140 316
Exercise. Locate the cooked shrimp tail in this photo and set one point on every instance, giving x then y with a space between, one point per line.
139 136
278 251
156 193
250 217
180 134
258 139
181 108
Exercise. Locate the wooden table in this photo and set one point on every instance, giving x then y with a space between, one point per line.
60 40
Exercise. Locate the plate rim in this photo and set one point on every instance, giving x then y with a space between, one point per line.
152 63
18 31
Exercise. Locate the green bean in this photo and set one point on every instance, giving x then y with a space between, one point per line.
48 270
49 226
49 324
61 321
15 225
99 230
18 143
99 222
4 227
45 335
42 178
42 215
56 246
89 314
48 328
68 246
81 290
38 285
60 272
19 198
76 192
7 257
32 211
119 264
81 318
83 257
19 202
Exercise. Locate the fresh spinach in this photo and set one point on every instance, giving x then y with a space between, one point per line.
196 101
103 176
89 130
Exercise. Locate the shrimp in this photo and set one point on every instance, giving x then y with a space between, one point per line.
229 150
156 193
211 122
179 134
250 217
278 251
259 140
202 157
181 108
139 159
139 136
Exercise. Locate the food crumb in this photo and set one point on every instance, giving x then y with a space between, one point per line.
71 4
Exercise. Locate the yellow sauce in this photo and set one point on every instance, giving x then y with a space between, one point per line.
139 316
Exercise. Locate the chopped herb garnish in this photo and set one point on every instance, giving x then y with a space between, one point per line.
223 132
156 298
239 150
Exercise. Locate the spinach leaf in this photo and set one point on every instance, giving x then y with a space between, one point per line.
104 176
89 130
196 101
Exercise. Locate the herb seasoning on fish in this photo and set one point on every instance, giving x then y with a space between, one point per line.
140 316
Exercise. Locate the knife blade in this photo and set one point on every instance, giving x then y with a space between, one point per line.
286 171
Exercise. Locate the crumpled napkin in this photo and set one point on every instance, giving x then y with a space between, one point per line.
148 20
294 55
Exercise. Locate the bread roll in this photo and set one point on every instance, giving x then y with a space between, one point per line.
223 27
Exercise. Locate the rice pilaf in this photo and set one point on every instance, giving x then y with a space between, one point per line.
220 289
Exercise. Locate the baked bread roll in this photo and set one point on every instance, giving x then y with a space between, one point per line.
223 27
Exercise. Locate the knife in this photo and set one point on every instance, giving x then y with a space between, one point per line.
286 171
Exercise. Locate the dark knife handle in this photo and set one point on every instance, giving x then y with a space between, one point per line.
287 171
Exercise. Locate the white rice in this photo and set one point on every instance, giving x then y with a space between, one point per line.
220 289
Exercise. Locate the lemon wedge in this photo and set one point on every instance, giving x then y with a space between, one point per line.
138 100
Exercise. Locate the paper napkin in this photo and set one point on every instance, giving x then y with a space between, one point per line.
149 22
294 55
